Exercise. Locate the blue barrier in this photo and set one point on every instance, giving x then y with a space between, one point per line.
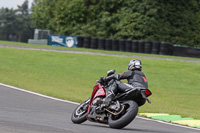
60 40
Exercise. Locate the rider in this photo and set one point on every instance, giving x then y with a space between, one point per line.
136 79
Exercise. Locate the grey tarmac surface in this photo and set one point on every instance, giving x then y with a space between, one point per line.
22 112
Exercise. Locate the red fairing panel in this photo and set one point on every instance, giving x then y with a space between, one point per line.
97 91
100 92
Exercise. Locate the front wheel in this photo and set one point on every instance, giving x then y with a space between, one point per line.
79 114
124 118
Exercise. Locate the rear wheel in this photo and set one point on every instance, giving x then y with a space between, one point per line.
124 118
79 114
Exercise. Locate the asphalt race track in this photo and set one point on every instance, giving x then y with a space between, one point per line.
22 112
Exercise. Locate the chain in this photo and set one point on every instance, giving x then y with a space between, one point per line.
116 113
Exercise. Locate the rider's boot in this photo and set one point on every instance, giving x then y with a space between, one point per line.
110 95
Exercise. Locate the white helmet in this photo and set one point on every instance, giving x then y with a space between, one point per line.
135 64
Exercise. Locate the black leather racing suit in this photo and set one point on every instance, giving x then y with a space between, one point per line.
136 79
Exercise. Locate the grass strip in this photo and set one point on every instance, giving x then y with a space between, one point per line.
192 123
151 114
170 118
174 84
95 50
173 118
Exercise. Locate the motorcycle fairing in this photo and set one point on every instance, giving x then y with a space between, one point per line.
98 91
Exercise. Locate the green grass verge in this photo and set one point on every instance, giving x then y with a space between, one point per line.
175 84
95 50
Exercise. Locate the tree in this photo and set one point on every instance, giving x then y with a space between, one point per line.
23 22
43 14
16 23
172 21
7 17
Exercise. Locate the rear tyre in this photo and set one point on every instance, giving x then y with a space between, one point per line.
124 118
79 114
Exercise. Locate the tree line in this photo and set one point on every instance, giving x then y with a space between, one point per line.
176 22
16 24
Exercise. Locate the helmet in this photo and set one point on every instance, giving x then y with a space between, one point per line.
135 64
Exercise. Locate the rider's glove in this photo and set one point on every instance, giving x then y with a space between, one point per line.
105 79
114 76
102 79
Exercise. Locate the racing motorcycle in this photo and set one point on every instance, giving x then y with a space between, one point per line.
121 111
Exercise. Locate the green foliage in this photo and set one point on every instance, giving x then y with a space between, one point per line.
6 22
16 22
43 13
177 22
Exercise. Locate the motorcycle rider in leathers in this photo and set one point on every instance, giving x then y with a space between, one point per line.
136 79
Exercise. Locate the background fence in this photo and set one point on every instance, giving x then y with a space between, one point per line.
137 46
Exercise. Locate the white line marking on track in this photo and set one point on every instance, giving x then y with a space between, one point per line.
148 119
34 93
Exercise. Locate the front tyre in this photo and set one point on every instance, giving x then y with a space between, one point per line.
79 114
124 118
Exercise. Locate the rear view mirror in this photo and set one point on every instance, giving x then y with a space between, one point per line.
111 72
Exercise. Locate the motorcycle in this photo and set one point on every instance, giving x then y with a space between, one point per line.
122 110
